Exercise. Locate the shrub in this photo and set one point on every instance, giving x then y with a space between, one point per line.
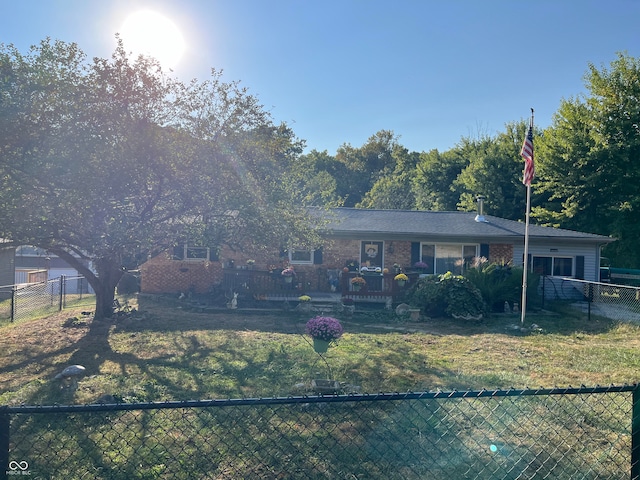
447 295
499 283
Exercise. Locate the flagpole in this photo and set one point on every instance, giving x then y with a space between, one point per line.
526 241
526 257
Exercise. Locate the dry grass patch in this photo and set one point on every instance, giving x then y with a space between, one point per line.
169 353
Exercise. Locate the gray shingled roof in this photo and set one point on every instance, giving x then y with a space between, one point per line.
418 223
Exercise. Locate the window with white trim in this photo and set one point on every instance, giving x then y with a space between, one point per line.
301 256
447 257
552 266
192 253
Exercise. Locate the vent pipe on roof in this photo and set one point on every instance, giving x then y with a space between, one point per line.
480 215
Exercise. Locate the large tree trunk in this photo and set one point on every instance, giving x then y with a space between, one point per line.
109 274
103 282
104 300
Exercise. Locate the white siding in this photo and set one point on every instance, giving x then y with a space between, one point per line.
591 255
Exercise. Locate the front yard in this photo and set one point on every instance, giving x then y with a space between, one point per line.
166 353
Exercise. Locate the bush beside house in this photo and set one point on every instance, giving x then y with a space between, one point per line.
448 295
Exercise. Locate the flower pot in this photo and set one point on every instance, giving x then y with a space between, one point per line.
349 309
356 287
288 279
304 306
320 346
323 386
401 282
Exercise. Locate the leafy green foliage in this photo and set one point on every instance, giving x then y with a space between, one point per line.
434 180
312 179
588 168
499 283
365 165
447 295
110 162
394 191
495 171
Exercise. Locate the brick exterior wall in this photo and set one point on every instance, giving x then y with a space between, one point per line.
500 253
161 274
337 252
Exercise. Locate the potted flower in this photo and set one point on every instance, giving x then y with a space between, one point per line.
352 265
357 283
305 303
323 331
250 264
401 279
348 305
421 266
288 274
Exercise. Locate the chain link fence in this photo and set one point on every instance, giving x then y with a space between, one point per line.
617 302
19 302
6 294
572 433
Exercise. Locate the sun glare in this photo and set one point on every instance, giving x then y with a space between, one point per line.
149 33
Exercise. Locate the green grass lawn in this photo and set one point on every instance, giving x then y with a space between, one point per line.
168 353
163 352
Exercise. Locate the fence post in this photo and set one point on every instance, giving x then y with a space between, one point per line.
14 295
590 299
60 304
635 434
5 425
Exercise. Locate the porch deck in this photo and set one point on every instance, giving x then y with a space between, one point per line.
266 286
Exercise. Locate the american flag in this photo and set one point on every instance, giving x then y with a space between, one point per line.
527 154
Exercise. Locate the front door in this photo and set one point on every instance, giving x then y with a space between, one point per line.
372 263
371 254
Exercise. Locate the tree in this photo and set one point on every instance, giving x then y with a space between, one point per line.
494 171
394 190
312 179
588 168
110 161
365 165
434 180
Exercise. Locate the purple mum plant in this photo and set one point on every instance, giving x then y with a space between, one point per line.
324 328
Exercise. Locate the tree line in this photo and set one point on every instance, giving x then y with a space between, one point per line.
587 167
106 162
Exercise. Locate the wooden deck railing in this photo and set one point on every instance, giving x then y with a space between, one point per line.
260 282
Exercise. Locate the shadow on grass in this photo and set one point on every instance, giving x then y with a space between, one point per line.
172 354
562 320
166 352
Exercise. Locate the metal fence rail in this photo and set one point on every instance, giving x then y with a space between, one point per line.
617 302
42 298
572 433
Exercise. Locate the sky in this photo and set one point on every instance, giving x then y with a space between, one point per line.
338 71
